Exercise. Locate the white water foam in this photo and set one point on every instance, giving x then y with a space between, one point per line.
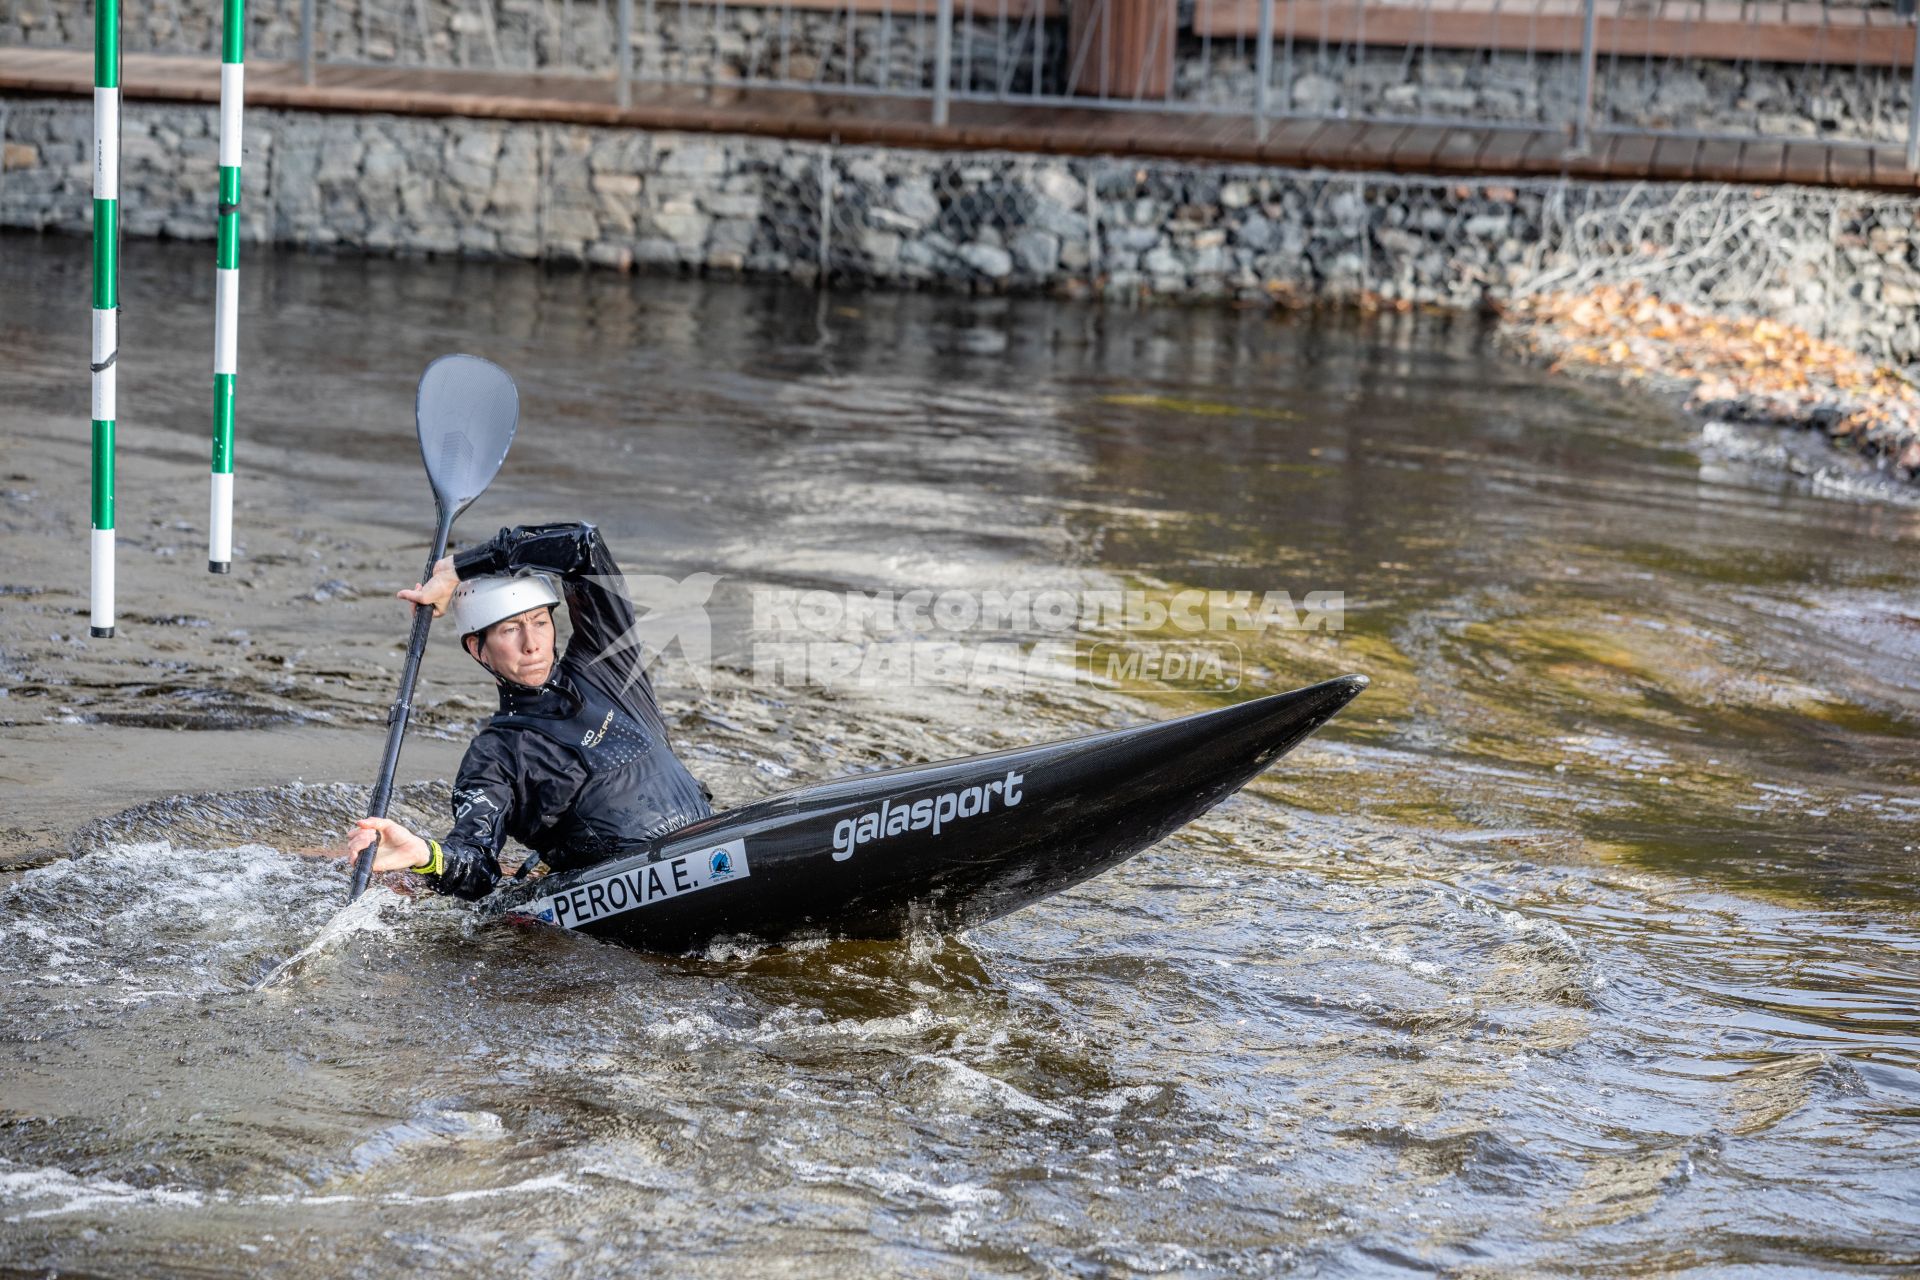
193 917
968 1084
429 1129
1116 1100
363 915
71 1194
76 1195
896 1185
917 1021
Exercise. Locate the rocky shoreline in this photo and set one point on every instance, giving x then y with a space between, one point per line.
1729 369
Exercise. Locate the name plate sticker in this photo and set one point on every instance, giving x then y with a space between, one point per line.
699 868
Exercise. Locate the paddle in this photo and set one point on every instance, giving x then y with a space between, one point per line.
466 410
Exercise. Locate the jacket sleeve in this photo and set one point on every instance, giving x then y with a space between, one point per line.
597 603
483 806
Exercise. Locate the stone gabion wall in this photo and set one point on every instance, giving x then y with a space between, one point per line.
710 43
1844 265
701 43
871 51
1680 94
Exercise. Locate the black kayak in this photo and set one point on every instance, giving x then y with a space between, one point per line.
934 847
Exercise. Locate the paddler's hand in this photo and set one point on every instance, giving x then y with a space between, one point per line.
400 849
435 591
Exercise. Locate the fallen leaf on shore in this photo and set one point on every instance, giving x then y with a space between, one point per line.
1754 369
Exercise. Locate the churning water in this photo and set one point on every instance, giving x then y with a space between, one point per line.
1588 940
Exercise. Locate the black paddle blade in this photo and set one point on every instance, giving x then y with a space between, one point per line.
466 410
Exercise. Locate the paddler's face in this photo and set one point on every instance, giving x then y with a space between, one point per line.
519 648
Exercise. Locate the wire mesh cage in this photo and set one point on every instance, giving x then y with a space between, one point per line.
1834 70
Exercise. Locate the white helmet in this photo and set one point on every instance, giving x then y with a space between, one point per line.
478 603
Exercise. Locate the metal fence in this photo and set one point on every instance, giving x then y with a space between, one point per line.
1837 262
1836 70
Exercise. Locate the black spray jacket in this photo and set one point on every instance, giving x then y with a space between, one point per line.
578 770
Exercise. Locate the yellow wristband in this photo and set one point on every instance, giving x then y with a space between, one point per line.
434 864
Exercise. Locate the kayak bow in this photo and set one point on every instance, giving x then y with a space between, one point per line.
938 846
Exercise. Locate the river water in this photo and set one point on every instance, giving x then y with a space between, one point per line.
1586 941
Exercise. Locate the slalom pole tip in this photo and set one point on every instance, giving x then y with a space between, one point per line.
101 633
219 566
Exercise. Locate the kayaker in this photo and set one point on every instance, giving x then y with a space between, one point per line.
576 764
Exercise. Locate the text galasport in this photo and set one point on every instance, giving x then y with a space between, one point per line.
928 814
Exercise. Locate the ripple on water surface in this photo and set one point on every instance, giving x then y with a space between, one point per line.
1276 1039
1585 941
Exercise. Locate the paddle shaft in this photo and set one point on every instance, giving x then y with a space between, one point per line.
398 713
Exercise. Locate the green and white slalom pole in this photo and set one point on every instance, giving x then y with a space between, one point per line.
106 297
226 305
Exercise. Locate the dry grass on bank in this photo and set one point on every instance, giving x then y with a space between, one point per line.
1739 369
